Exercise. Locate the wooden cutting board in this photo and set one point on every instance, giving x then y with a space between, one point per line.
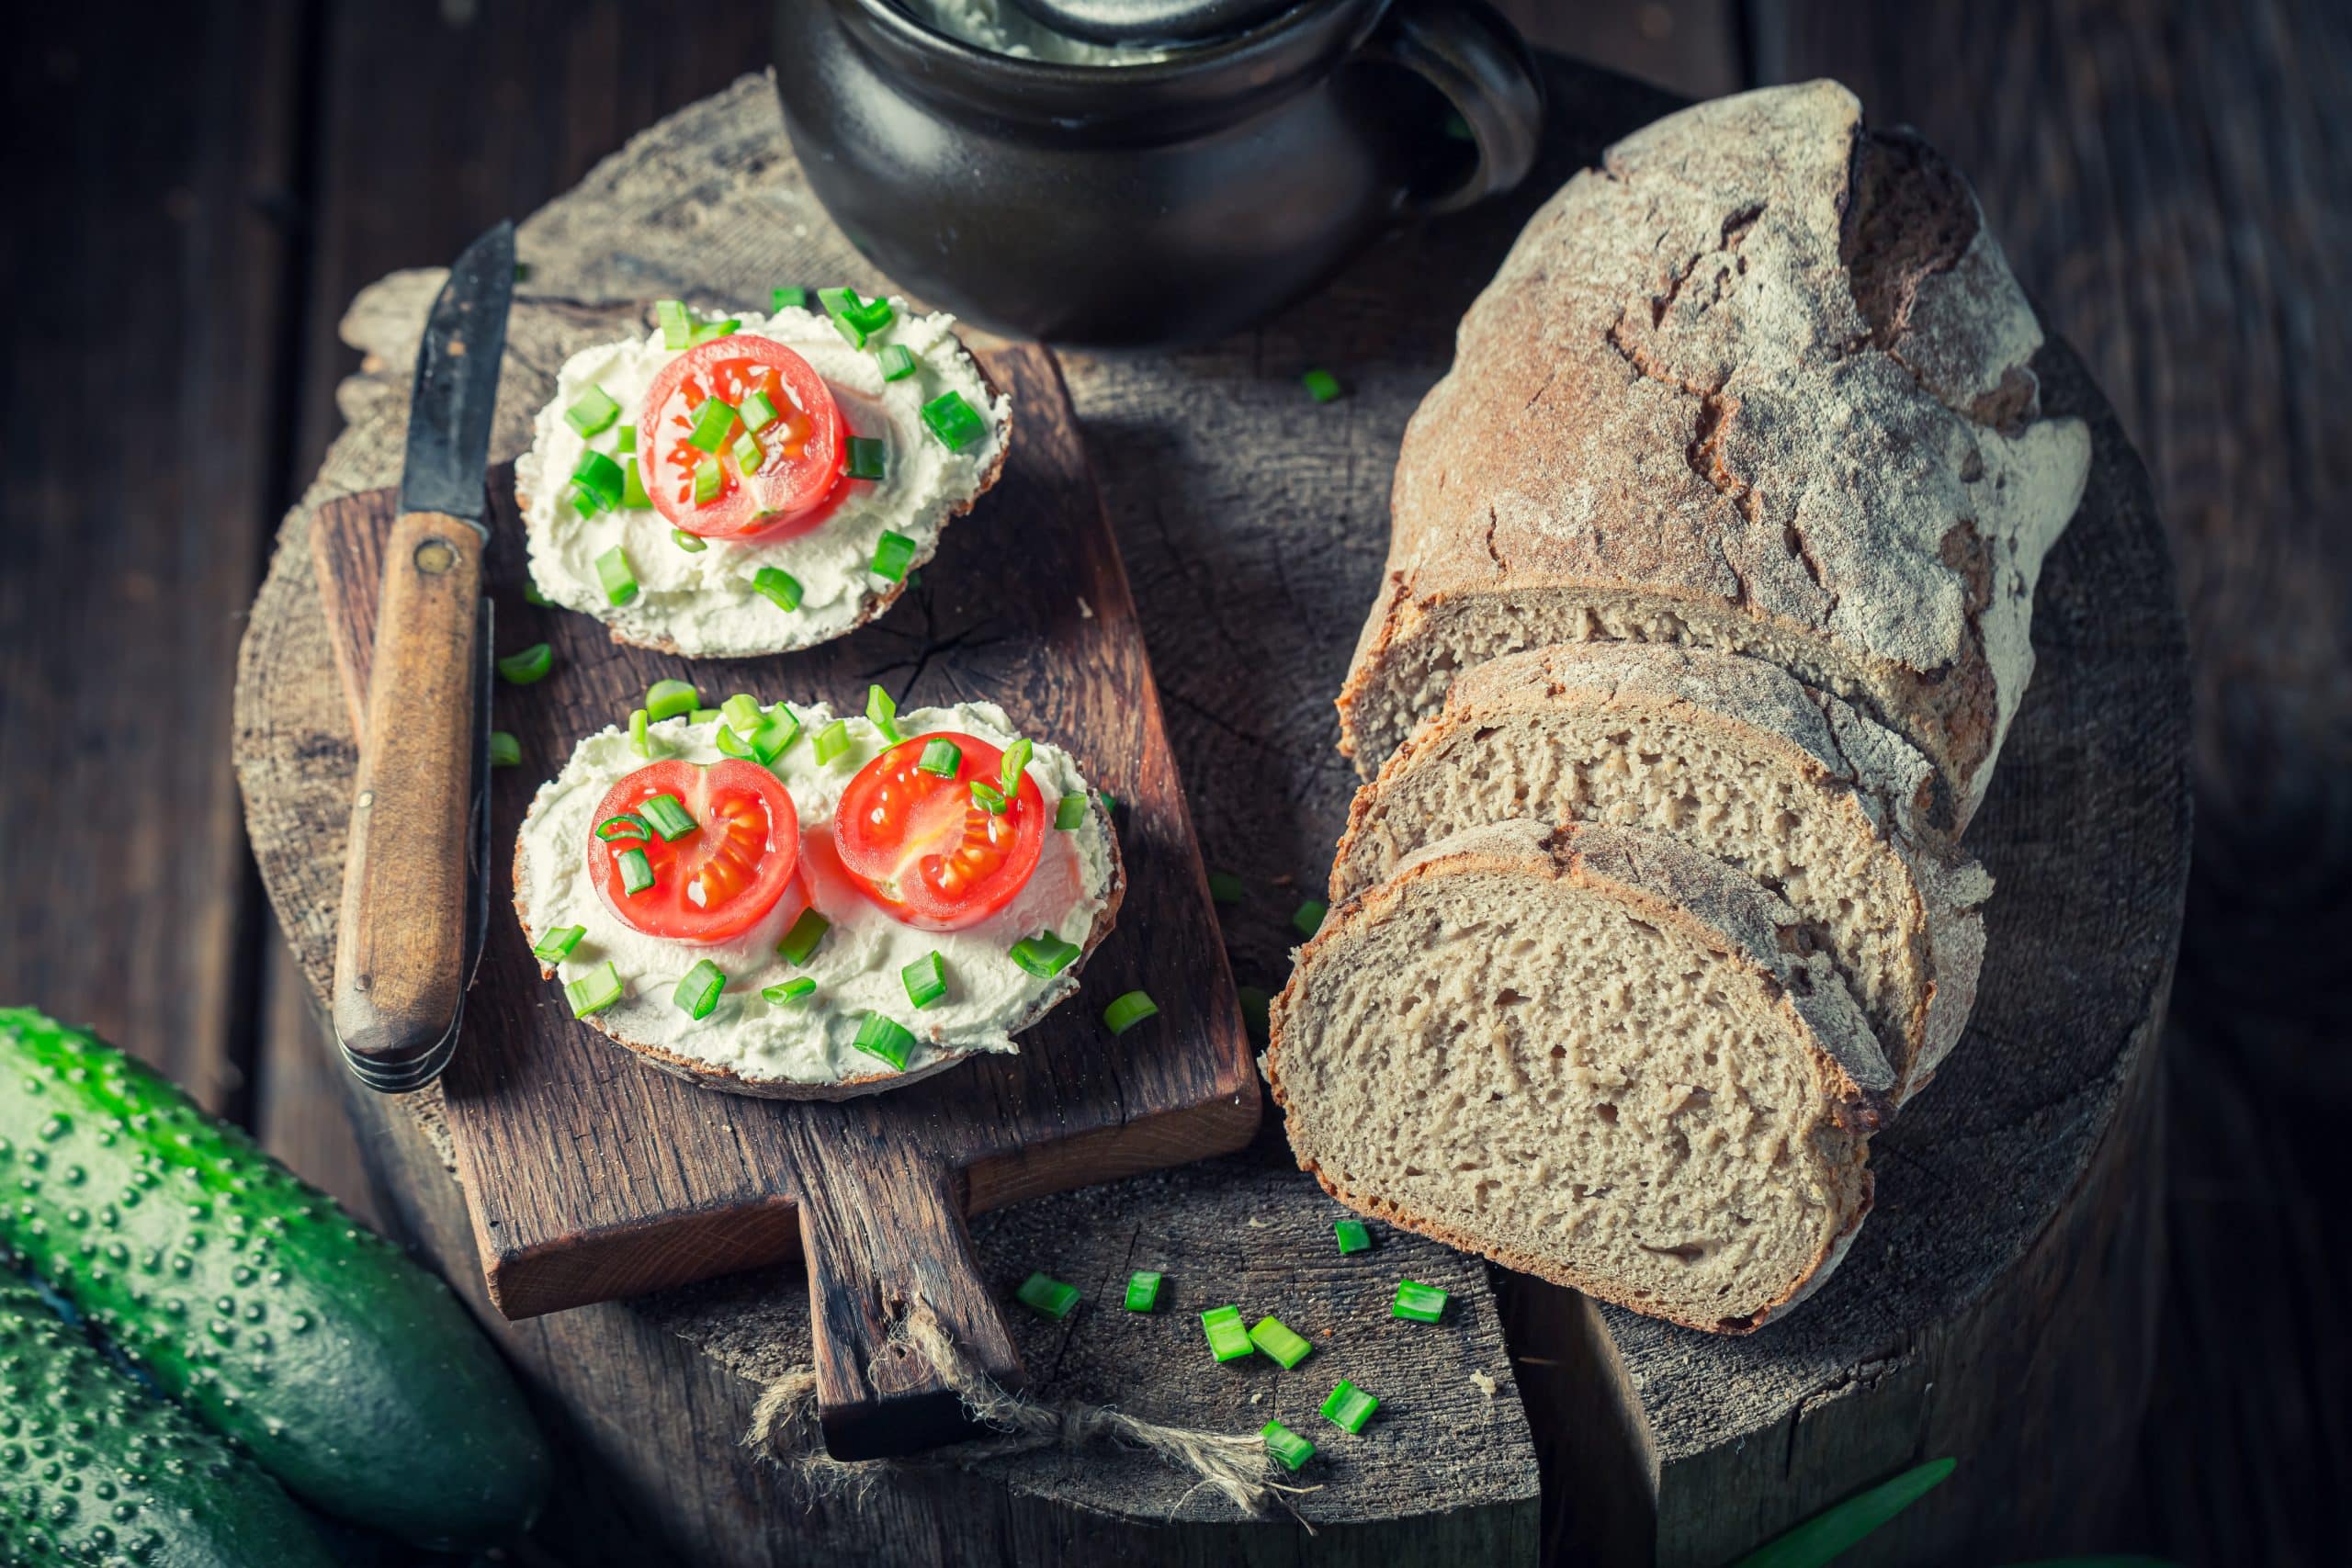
592 1176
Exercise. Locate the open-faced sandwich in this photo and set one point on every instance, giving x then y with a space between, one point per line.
752 484
779 902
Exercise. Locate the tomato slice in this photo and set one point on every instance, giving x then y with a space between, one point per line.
716 882
922 849
801 452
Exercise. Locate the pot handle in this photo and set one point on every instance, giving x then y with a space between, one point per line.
1468 52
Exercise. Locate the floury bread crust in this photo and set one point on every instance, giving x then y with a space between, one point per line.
1760 382
1590 1054
1739 760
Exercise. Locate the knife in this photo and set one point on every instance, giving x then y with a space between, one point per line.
415 888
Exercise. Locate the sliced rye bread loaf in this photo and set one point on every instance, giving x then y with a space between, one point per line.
1739 760
1759 382
1592 1053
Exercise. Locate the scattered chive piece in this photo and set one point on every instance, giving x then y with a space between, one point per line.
505 751
941 757
856 319
711 331
1254 1006
1226 888
593 411
677 329
711 421
1321 385
756 411
802 939
666 815
775 734
878 1036
1828 1534
925 980
597 483
594 991
1070 813
709 479
797 990
638 740
1352 1235
557 943
1275 1340
634 499
1417 1303
832 740
636 872
742 710
867 458
698 992
1110 802
1143 1291
990 799
613 571
1128 1011
628 825
1042 1293
626 439
1286 1445
1308 918
883 714
893 552
668 699
1229 1341
897 361
531 594
1349 1407
951 418
777 585
730 744
749 454
1045 955
787 299
1016 763
702 716
692 544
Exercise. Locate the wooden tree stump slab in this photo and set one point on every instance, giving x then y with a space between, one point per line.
1996 1307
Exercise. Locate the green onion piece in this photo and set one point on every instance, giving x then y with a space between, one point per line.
712 421
897 361
953 420
1417 1303
1226 888
801 941
594 991
1128 1011
883 714
941 757
1070 814
613 571
625 441
878 1036
893 553
634 499
1286 1445
1352 1235
557 943
1229 1341
775 734
1308 918
505 751
1255 1006
531 594
597 483
749 454
777 585
640 741
711 331
756 411
1042 1293
1275 1340
990 799
840 304
1825 1537
636 872
1143 1291
832 740
1110 802
678 328
593 411
703 716
867 458
698 992
925 979
1349 1407
628 825
1045 955
692 544
709 479
668 699
1321 385
787 300
743 711
1016 763
667 816
730 744
799 989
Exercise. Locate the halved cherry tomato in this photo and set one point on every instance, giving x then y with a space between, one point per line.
717 881
801 452
924 850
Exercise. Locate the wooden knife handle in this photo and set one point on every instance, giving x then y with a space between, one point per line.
399 947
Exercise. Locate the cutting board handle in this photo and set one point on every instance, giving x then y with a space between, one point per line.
883 1234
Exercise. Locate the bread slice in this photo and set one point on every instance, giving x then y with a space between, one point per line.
1736 759
1760 382
1592 1053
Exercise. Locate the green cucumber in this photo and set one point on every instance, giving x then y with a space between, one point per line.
95 1469
350 1373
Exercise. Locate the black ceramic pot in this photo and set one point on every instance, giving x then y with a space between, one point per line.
1158 203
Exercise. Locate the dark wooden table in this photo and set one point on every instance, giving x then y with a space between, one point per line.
195 203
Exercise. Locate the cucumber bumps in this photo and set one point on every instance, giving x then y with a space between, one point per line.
95 1469
351 1374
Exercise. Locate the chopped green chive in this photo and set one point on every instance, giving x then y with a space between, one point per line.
925 980
775 734
756 411
698 992
711 423
593 411
634 499
832 740
640 741
941 757
801 941
730 744
856 319
1286 1445
1070 815
867 458
883 714
667 816
692 544
628 825
1128 1011
557 943
1352 1235
799 989
1016 763
711 331
678 328
613 571
897 361
703 716
1321 385
1226 888
1229 1341
1308 918
990 799
1143 1291
709 479
668 699
1417 1303
625 440
1110 802
505 751
531 594
749 454
1279 1342
743 711
1349 1407
1045 955
893 553
787 300
1042 1293
953 420
879 1036
597 484
594 991
777 585
636 872
1255 1006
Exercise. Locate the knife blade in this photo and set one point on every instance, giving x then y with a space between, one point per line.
415 875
